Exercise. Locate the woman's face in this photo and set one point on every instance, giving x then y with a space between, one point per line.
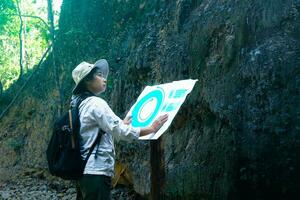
98 84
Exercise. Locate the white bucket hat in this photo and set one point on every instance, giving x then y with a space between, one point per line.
84 68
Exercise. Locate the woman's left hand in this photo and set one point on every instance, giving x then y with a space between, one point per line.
127 120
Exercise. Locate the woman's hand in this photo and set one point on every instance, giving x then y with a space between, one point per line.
159 122
155 126
127 120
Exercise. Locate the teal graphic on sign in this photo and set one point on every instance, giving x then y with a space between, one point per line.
138 118
155 101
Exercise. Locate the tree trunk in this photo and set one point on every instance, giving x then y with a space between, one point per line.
24 53
51 21
55 68
20 38
1 89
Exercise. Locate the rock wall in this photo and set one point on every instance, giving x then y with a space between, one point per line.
236 136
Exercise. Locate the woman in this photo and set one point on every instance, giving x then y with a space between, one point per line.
96 117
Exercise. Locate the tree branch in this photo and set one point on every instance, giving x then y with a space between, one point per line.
32 16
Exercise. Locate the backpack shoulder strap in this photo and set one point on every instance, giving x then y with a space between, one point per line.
97 141
82 97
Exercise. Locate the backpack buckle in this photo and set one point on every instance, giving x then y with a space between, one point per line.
65 127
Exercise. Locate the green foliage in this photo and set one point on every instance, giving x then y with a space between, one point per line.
6 7
9 40
35 37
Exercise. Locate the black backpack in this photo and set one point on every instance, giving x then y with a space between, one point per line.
63 152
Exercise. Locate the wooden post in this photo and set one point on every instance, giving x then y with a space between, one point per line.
157 169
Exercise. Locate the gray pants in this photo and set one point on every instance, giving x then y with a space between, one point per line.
93 187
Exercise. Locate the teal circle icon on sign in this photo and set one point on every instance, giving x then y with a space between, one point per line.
147 108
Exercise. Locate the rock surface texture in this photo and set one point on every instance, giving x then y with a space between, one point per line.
238 134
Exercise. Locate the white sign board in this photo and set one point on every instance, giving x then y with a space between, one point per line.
158 100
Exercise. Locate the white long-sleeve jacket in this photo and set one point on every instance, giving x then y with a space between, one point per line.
96 114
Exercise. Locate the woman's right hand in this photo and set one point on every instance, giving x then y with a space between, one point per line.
159 122
155 126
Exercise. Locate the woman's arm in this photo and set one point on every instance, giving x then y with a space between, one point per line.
156 125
